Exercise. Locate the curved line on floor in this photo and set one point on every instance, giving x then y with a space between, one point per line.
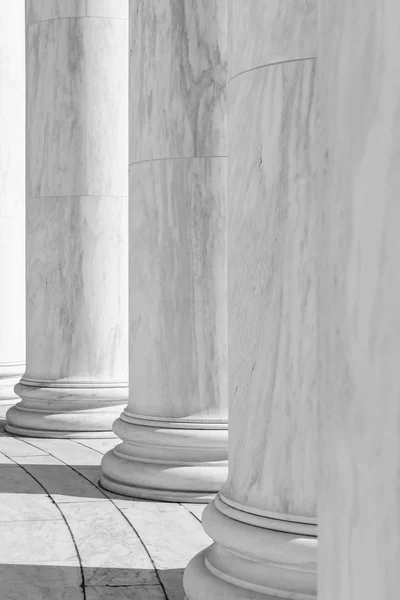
107 498
83 587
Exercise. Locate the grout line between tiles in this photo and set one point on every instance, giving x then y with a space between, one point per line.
63 518
121 513
190 512
90 447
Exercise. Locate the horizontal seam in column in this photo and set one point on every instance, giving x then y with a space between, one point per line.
78 17
139 162
280 62
78 196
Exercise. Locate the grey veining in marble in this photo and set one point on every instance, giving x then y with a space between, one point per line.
77 77
263 519
178 288
43 10
178 88
262 32
71 549
177 409
12 196
359 299
272 303
77 251
77 290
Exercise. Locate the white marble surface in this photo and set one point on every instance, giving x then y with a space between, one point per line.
267 506
155 521
77 315
77 253
12 197
177 99
263 32
76 539
359 296
77 77
43 10
272 293
77 304
178 289
178 249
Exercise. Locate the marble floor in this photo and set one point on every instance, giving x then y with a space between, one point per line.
64 538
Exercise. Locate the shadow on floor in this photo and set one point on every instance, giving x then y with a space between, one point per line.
56 479
80 481
61 582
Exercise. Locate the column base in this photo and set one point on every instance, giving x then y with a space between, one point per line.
66 412
252 561
168 461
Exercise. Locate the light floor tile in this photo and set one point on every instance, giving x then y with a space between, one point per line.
37 542
100 445
63 483
195 509
105 540
172 535
68 451
12 446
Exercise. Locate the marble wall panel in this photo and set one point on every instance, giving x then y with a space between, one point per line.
262 32
178 91
77 290
178 289
271 292
77 102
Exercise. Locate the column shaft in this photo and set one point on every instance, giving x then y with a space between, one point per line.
263 521
76 375
174 430
12 198
359 299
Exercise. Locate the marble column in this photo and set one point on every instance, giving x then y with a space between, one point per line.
263 521
12 198
359 298
174 429
75 381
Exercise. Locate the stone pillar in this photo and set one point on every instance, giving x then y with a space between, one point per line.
263 521
77 368
174 429
12 198
359 300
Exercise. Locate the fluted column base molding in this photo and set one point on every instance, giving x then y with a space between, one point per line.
166 460
61 411
252 558
10 374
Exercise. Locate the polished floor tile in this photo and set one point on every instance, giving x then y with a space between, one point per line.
63 536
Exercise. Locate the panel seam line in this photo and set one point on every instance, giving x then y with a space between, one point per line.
139 162
272 64
78 17
77 196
